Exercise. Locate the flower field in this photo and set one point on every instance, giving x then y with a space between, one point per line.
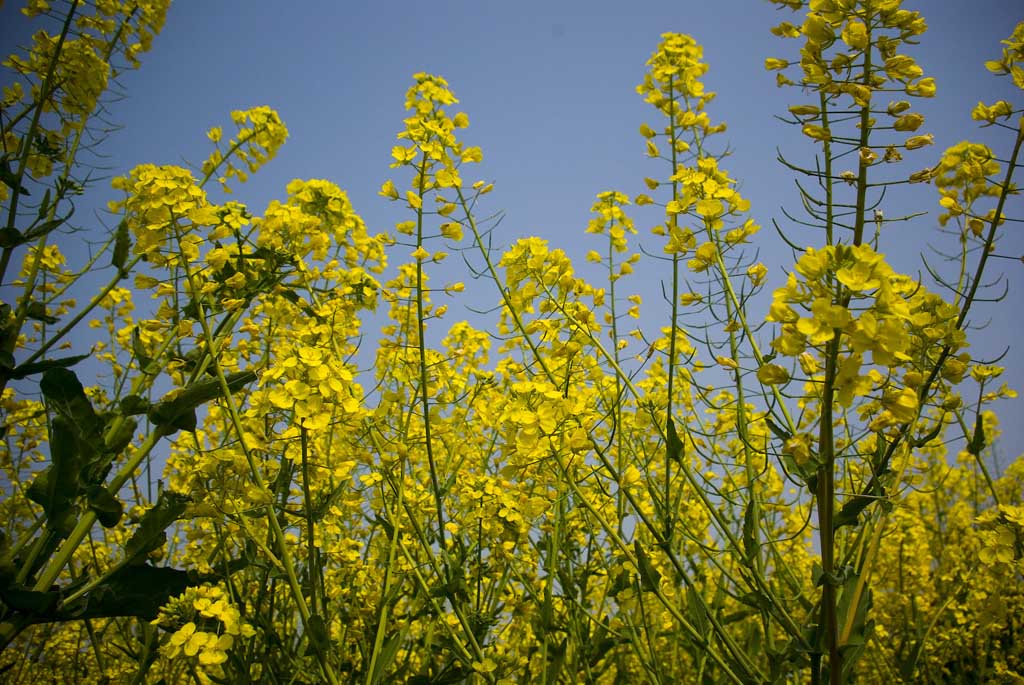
789 478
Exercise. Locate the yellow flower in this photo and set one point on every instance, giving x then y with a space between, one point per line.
813 264
710 208
704 257
727 362
817 29
999 547
805 110
798 447
924 88
687 299
989 113
909 122
902 405
855 34
403 155
817 132
452 230
448 178
915 142
757 273
772 374
217 258
808 364
388 190
825 318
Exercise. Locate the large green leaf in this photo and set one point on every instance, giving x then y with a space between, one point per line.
178 411
107 507
122 246
150 534
673 444
56 487
26 370
650 578
65 395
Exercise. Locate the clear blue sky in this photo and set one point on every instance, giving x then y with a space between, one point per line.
549 89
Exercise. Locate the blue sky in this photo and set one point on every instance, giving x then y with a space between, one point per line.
549 89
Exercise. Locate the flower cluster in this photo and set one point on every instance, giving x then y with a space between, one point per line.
519 501
206 626
161 203
260 134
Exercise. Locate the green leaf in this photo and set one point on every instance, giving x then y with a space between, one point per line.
186 421
853 606
10 237
931 435
39 489
594 634
66 396
179 411
107 507
695 610
26 370
757 599
881 447
852 610
150 534
44 206
388 652
750 546
556 661
620 583
37 312
146 364
849 514
779 432
650 578
55 488
116 443
10 179
65 456
44 228
977 443
138 590
673 444
122 246
389 529
316 631
29 601
134 405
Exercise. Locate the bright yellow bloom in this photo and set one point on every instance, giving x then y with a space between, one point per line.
772 374
855 34
825 318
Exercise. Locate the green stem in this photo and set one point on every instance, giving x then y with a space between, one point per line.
424 388
287 563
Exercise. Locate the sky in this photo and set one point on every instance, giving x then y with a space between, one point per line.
549 88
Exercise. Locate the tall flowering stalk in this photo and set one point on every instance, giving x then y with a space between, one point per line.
844 302
800 494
